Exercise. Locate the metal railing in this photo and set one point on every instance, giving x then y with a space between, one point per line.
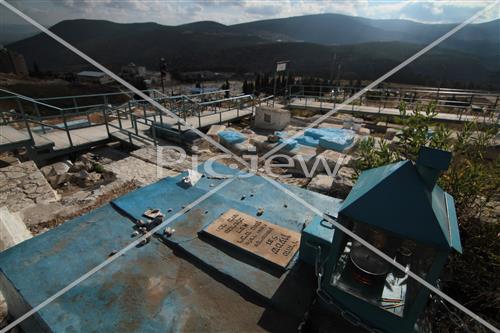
130 117
461 103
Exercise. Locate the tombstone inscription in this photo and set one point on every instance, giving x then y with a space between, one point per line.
266 240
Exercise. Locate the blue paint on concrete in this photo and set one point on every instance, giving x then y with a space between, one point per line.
231 137
139 292
245 194
337 139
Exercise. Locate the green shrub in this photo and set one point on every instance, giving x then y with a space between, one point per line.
472 278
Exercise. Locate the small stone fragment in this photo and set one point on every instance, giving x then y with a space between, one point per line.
169 231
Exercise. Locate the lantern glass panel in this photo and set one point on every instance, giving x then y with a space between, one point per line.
367 276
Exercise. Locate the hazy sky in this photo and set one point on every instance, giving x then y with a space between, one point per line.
169 12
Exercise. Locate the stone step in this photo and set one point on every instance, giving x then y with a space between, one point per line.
12 229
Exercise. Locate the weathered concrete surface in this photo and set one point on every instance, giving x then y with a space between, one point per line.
150 289
321 184
44 216
134 169
43 212
23 185
271 118
12 232
12 229
170 158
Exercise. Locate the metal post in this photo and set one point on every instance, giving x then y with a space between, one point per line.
153 131
66 127
379 101
334 97
385 98
320 98
274 89
37 110
106 121
119 118
134 117
105 112
25 119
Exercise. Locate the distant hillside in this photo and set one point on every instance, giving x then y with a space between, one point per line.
13 32
333 29
364 47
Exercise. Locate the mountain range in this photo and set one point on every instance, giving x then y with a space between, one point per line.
314 44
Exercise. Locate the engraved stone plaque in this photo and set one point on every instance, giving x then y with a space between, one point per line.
261 238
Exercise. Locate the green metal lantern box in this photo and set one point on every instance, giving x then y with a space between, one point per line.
400 210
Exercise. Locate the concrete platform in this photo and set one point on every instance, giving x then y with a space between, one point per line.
179 284
246 195
300 103
150 289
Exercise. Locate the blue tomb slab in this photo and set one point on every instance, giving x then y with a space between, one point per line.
149 289
145 291
245 194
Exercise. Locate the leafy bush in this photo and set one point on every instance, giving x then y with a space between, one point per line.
473 180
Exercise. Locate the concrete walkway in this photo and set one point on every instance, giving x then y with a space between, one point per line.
208 119
59 140
300 103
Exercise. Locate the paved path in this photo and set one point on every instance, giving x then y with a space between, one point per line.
209 119
58 139
11 137
300 103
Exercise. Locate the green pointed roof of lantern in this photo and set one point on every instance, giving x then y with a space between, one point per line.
402 198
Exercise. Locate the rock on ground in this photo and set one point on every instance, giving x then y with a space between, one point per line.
390 133
342 183
57 173
321 184
24 185
12 229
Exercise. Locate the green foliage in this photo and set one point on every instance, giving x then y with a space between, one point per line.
97 167
372 154
473 180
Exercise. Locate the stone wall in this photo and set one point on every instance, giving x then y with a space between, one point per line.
23 185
